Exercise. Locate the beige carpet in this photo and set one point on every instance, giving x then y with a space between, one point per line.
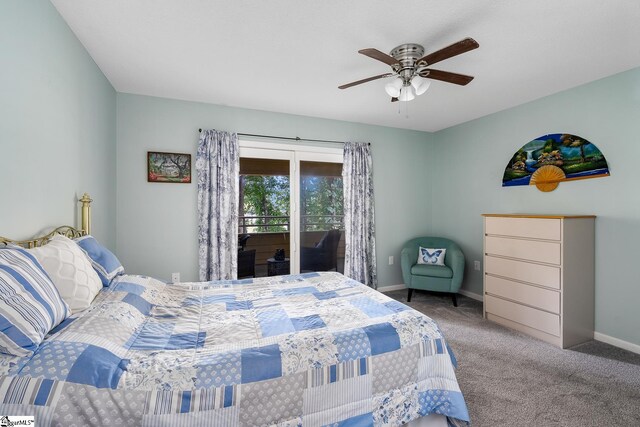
511 379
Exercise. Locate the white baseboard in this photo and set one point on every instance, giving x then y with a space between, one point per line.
464 292
617 342
470 294
390 288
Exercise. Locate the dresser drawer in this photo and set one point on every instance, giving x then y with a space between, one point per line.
544 275
544 299
535 228
523 249
537 319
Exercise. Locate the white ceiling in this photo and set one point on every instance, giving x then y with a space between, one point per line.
290 55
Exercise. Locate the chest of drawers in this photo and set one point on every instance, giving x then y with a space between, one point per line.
539 275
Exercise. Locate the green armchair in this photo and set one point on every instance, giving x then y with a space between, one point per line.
436 278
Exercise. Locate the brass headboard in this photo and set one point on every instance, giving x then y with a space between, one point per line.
65 230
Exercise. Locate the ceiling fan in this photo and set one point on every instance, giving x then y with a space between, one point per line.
410 67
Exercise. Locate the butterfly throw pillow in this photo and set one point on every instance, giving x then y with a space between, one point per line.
431 256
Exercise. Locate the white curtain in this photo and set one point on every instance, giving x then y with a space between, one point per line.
359 217
217 166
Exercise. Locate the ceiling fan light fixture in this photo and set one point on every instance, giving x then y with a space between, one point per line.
409 68
420 85
406 94
393 88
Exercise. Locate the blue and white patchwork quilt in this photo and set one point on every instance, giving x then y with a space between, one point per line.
314 349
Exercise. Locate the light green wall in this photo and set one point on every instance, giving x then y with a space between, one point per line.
57 132
472 157
157 223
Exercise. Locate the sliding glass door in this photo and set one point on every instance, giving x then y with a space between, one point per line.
264 213
321 216
290 210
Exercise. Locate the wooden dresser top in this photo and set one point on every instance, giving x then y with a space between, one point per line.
538 216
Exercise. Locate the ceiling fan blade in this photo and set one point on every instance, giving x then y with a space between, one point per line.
380 76
394 99
446 76
462 46
380 56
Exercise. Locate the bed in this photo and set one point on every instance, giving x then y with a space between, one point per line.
312 349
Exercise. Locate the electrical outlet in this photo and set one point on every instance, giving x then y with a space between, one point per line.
391 260
476 265
175 277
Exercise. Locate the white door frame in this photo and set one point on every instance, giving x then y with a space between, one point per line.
294 154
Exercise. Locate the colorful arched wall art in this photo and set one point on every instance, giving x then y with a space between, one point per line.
550 159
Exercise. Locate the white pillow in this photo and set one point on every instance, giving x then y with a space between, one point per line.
431 256
70 271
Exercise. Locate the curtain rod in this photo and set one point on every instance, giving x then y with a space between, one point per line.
297 138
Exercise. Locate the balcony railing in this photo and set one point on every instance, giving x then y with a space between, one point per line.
263 224
321 222
275 223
